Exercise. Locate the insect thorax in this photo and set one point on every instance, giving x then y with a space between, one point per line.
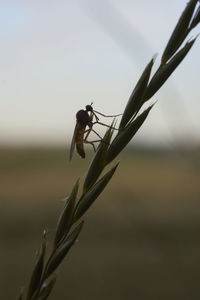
83 117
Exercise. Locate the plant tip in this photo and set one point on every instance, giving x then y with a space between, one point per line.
154 57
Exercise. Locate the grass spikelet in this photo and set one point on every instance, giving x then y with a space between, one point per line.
180 32
135 100
60 253
98 162
37 271
46 288
88 198
166 70
66 216
125 136
196 18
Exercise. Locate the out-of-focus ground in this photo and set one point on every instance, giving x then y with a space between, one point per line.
141 238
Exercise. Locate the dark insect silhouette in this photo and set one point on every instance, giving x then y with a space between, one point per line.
84 118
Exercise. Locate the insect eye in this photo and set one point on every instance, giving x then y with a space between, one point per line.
89 108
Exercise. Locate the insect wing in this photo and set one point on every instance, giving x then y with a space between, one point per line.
73 142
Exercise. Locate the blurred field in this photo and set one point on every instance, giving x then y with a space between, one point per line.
141 239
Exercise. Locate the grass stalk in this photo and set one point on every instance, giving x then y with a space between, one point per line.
70 223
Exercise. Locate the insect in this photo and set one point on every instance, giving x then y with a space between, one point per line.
84 118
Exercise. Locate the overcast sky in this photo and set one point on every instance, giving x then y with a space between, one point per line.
58 56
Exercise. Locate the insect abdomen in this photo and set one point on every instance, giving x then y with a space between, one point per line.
79 141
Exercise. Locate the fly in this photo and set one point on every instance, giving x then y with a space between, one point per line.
84 118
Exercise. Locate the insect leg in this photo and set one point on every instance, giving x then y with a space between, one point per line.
96 134
97 119
101 139
92 143
106 115
96 141
85 141
97 122
88 132
91 129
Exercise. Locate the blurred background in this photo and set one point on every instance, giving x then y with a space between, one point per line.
141 239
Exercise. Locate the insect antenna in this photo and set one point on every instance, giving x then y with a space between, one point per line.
110 116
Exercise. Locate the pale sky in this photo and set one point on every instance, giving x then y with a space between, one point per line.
58 56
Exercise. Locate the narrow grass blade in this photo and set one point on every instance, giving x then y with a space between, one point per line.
87 200
62 250
98 162
196 18
166 70
37 272
65 219
180 32
46 289
124 137
135 99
